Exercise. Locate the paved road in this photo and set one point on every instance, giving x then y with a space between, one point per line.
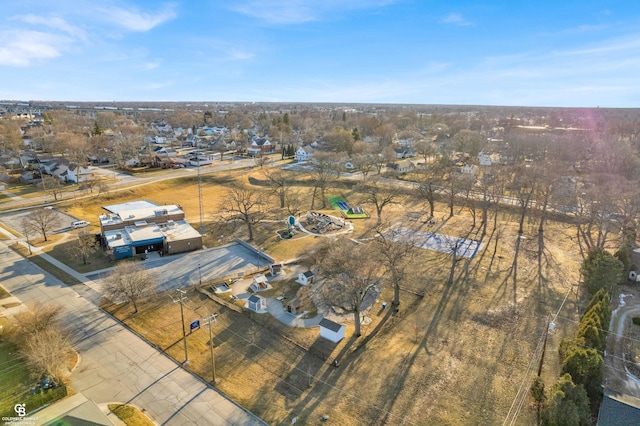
125 182
116 365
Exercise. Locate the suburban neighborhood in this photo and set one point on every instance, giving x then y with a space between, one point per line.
313 271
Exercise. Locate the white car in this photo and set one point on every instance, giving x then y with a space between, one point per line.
79 224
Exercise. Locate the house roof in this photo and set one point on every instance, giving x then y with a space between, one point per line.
260 278
254 299
330 325
308 274
76 409
619 410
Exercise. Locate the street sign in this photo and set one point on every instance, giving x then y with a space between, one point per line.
194 325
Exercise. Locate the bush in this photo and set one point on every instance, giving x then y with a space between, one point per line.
636 320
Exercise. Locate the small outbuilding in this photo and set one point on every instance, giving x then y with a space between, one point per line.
275 269
259 283
295 306
256 303
331 331
305 278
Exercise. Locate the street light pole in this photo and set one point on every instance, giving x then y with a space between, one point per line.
199 274
181 298
212 318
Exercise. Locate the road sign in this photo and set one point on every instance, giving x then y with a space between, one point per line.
194 325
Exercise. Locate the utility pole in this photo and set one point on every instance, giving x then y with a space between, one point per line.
199 188
180 299
211 318
199 274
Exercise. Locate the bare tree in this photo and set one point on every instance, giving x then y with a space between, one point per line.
244 204
83 246
44 344
395 250
380 197
467 185
429 185
324 171
27 230
129 282
44 220
293 201
452 188
52 185
426 149
91 183
280 181
350 279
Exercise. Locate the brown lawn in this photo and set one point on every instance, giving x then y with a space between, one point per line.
453 354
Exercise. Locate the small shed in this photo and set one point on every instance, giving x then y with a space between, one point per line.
256 303
305 278
331 331
259 283
295 306
275 269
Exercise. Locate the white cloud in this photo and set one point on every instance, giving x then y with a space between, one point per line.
53 22
151 65
300 11
455 19
135 20
241 55
22 48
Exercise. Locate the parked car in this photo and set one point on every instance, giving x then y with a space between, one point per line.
79 224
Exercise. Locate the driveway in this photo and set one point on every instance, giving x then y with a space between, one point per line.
115 364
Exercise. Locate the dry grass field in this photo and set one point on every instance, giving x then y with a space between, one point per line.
452 354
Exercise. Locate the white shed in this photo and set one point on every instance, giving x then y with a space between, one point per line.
331 331
256 303
305 278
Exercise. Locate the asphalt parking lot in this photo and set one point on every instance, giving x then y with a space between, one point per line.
188 269
14 220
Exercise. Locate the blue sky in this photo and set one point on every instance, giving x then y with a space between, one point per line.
539 53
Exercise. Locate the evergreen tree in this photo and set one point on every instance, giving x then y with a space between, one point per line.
97 130
586 367
356 134
601 270
568 405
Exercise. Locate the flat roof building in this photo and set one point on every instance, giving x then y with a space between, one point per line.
146 229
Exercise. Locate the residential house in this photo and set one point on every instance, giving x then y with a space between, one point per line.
405 142
260 146
76 173
305 278
404 166
618 409
303 153
468 169
404 152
